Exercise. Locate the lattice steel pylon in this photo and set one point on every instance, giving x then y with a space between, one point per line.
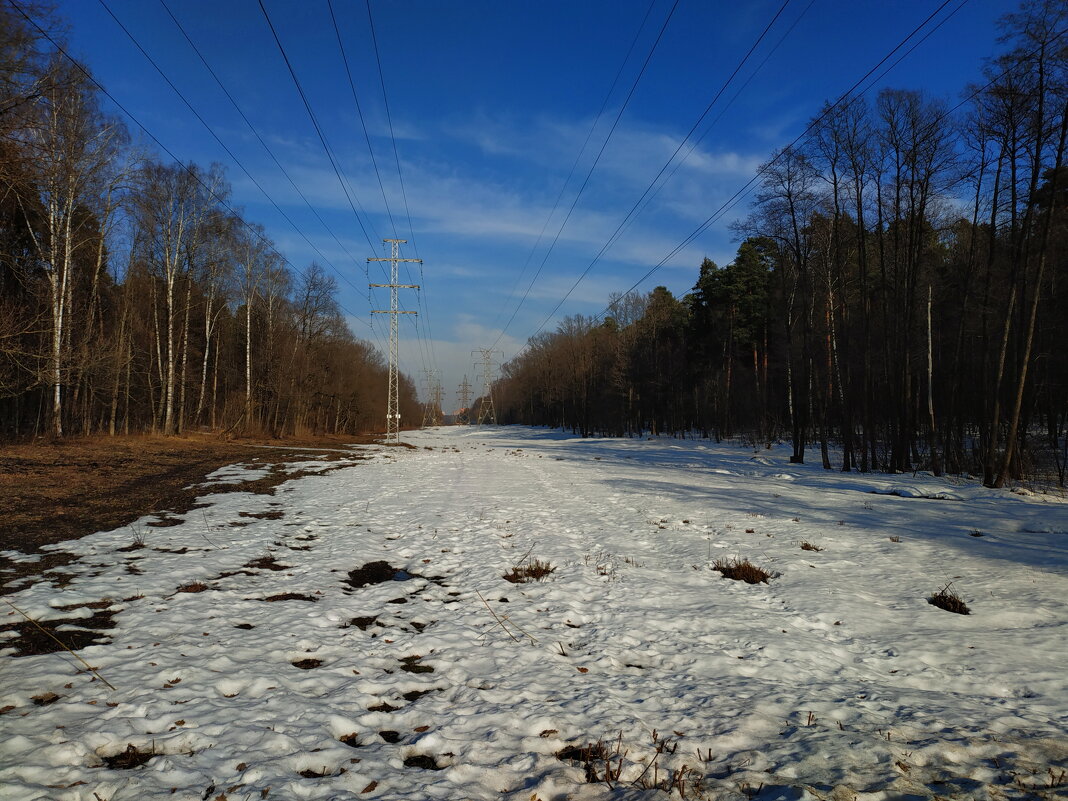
392 405
432 406
428 389
486 408
437 396
463 395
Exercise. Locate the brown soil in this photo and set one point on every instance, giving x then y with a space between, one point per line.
42 637
129 759
65 489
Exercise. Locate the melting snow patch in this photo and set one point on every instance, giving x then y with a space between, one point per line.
917 491
302 676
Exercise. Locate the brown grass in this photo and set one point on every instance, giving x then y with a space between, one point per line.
607 761
290 596
950 601
534 570
129 759
742 570
53 491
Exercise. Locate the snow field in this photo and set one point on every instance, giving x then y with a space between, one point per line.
836 677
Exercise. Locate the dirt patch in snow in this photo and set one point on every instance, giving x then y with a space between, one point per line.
43 637
376 573
62 490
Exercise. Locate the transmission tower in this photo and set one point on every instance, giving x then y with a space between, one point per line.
463 394
438 395
485 409
433 394
392 406
428 393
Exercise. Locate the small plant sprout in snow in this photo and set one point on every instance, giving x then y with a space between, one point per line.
950 601
742 570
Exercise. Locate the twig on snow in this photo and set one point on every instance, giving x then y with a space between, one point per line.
45 631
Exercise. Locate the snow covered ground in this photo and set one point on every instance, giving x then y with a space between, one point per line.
251 654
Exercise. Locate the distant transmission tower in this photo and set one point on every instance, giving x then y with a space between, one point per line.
428 390
463 394
485 409
437 396
432 407
392 406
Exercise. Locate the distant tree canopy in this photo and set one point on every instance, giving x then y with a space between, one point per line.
132 298
899 291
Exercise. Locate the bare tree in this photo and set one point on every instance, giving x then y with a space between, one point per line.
72 145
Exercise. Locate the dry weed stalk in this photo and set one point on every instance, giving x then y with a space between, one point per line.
606 761
62 645
950 601
503 622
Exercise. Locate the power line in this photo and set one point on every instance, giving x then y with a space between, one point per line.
589 174
359 111
734 199
318 129
234 158
223 145
574 164
250 226
649 193
389 120
420 298
848 97
633 209
708 129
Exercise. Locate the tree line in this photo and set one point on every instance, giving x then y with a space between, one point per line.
898 299
135 298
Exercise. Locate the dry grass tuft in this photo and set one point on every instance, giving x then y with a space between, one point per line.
950 601
129 759
290 596
608 762
808 546
193 586
534 570
742 570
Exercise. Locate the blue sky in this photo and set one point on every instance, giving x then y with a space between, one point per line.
491 102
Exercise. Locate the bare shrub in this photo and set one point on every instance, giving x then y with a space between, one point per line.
533 570
742 570
950 601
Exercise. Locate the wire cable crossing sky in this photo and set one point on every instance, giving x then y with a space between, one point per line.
489 113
